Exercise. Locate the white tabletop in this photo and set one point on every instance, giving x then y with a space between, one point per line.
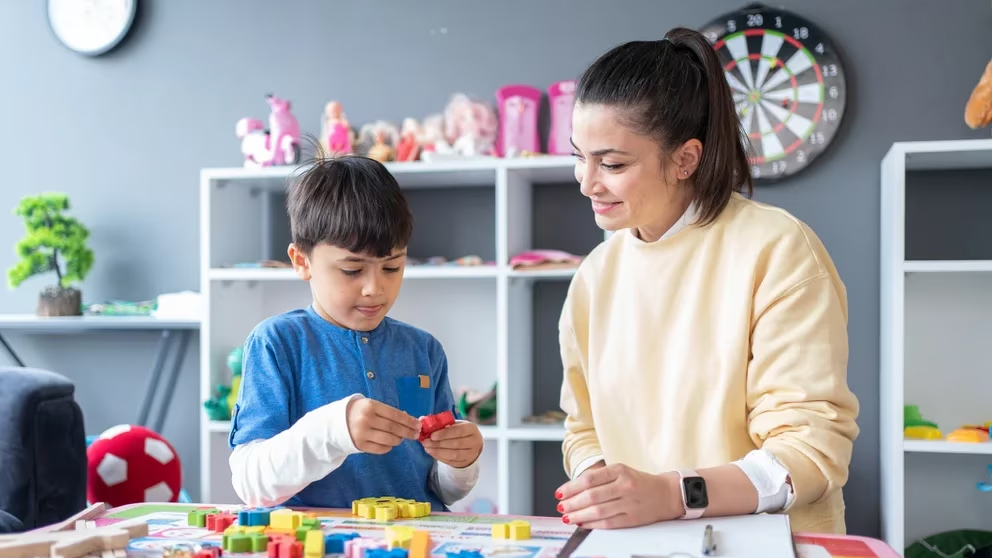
31 322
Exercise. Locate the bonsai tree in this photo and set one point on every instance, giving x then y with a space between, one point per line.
55 244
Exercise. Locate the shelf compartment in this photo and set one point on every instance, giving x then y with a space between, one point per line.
948 324
558 217
534 369
946 215
941 494
469 211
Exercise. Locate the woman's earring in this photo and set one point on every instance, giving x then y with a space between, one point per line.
685 172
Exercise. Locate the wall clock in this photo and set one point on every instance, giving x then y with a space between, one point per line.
91 27
788 85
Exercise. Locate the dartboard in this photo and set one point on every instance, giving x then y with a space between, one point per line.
788 86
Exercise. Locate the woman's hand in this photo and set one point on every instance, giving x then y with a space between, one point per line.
617 496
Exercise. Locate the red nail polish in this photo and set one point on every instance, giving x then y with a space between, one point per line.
564 519
558 494
561 508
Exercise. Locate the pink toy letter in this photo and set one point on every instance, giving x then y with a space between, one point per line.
518 107
561 97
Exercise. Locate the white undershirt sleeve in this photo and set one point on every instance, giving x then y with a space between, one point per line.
452 484
770 478
585 464
269 472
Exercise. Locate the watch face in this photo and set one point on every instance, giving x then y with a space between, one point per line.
695 492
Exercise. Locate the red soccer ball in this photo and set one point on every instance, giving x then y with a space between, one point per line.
131 464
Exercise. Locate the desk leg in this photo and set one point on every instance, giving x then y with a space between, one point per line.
160 355
170 386
11 352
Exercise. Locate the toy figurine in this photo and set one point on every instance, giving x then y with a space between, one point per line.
518 107
470 126
336 136
561 97
380 136
279 145
408 148
433 144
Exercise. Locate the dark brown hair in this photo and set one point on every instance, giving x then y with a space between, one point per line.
350 202
675 90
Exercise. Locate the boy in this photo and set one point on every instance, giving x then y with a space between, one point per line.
330 394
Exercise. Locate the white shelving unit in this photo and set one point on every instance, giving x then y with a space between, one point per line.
482 315
936 334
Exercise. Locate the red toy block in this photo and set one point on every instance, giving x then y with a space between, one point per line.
209 552
284 547
433 423
218 522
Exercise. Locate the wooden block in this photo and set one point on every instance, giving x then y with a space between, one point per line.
519 530
385 513
285 519
72 543
91 512
313 546
420 545
398 536
516 530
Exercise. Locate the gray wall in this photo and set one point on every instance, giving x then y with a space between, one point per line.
125 135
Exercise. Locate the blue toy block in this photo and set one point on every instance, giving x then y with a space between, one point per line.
383 553
254 517
464 554
334 543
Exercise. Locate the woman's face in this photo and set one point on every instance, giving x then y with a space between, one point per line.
625 176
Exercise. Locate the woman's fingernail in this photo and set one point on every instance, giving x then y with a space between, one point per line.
564 519
561 508
558 494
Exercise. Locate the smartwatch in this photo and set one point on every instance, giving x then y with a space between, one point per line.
694 498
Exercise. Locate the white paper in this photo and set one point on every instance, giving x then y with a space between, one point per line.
747 536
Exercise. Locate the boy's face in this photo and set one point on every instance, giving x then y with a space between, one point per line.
354 291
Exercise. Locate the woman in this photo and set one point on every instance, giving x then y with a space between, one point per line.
704 345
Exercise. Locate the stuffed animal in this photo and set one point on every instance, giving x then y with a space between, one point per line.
130 464
978 111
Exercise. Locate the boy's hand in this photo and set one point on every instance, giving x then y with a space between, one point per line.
376 427
458 445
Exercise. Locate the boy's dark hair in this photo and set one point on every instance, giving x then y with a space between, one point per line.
350 202
675 90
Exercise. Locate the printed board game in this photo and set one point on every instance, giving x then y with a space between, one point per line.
373 528
450 534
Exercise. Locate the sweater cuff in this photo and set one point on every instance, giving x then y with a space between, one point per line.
808 481
770 478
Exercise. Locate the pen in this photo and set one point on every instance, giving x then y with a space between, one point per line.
709 547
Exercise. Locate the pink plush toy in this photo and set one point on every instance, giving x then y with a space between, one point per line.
518 107
279 145
561 97
470 127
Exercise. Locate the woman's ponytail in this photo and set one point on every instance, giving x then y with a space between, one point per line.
724 166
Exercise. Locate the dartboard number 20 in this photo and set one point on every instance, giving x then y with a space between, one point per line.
788 86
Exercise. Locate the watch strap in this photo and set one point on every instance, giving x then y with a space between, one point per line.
687 512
